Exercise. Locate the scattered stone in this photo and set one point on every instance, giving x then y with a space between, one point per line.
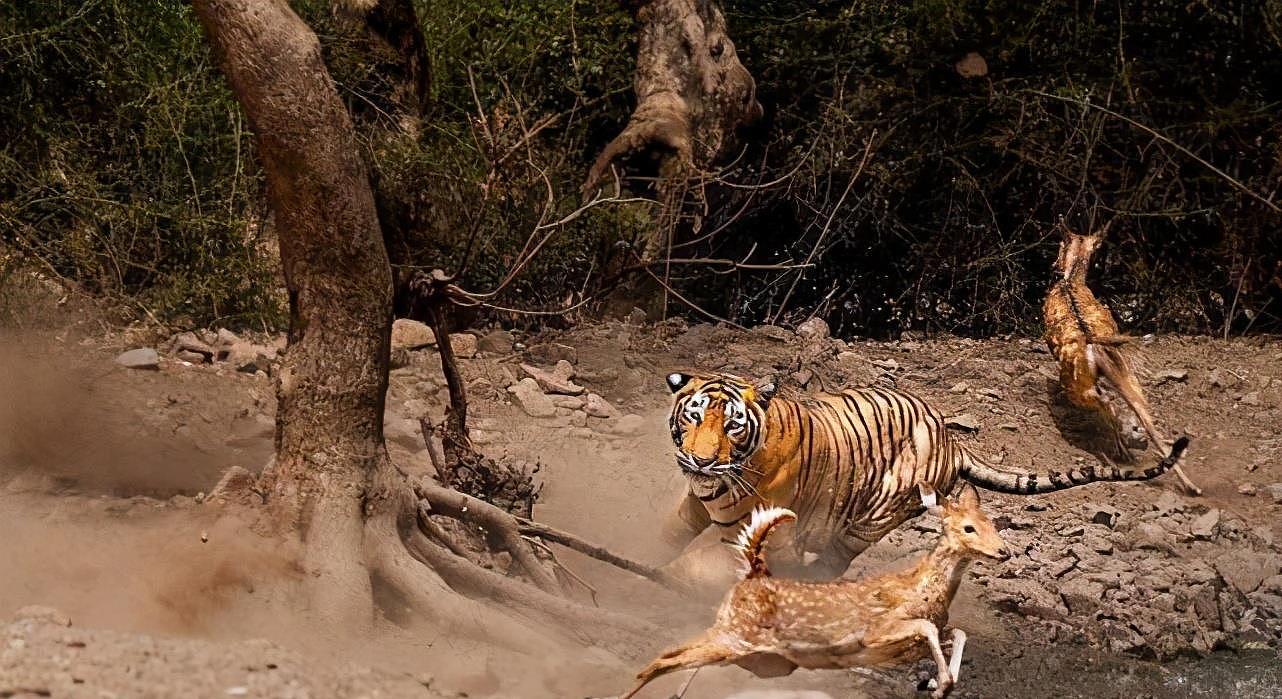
1166 375
1008 426
990 393
1204 526
249 358
1149 535
814 329
774 332
1247 570
628 424
532 399
1081 595
596 406
553 352
43 614
1063 566
556 381
1169 503
496 342
1099 545
1251 399
567 402
463 344
971 66
226 338
411 334
959 387
887 364
191 357
965 422
189 343
578 418
1275 491
1103 514
141 358
802 377
1026 597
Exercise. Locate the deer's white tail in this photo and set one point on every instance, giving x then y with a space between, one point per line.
753 538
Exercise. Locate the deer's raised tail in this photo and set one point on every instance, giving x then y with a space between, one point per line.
752 538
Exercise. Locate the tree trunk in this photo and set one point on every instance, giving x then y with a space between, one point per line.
693 94
332 381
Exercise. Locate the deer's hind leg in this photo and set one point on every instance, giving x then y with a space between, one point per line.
696 653
908 629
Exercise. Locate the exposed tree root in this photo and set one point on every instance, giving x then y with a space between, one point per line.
531 528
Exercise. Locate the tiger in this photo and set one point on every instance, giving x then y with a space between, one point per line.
1083 336
845 462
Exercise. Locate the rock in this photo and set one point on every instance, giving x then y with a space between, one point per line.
226 338
774 332
567 402
532 399
971 66
191 357
578 418
1008 426
964 421
496 342
248 358
802 377
1169 503
1251 399
628 424
141 358
887 364
596 406
42 614
553 352
411 334
1204 526
1166 375
1081 596
959 387
463 344
188 342
1246 489
1026 597
1149 535
990 393
780 694
814 329
1247 570
1275 491
1103 514
555 381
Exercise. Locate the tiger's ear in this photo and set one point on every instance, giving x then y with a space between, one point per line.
765 392
677 381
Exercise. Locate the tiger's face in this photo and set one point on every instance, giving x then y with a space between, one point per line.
718 422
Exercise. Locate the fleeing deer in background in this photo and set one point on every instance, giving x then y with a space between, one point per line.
772 626
1084 338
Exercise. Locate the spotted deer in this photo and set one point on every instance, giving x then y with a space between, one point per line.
1084 338
771 626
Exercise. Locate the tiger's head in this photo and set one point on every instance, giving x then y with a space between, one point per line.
718 422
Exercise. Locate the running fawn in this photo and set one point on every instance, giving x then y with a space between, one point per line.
772 626
1084 338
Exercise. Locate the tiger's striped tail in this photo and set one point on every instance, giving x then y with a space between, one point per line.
753 538
989 477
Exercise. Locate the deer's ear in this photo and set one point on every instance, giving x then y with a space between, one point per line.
929 499
968 496
677 381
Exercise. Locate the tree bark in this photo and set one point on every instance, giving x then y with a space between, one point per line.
333 379
692 91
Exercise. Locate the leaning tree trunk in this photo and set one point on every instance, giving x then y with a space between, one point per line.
333 485
693 94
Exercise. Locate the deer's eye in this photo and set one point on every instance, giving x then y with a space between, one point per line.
968 529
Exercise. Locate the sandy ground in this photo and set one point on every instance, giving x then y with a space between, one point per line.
1119 590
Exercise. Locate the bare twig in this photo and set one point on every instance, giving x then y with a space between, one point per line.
570 541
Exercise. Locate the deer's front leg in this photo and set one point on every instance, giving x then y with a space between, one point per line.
954 661
907 629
